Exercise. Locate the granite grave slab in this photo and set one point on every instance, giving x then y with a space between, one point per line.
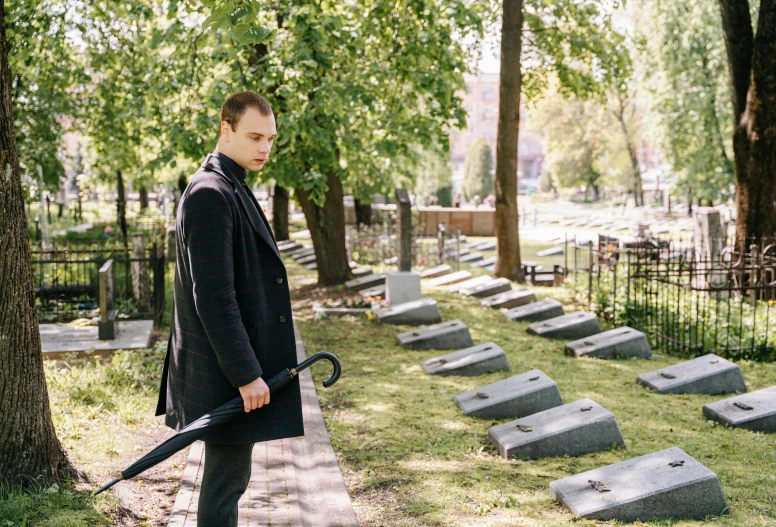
365 282
447 335
487 246
617 343
754 411
414 312
476 360
517 396
301 253
510 299
493 287
546 309
435 272
572 326
378 290
358 272
485 262
451 278
460 286
471 257
304 260
311 267
709 374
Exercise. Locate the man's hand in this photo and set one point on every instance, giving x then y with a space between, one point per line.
255 395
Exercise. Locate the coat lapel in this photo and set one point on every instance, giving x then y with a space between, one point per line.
257 223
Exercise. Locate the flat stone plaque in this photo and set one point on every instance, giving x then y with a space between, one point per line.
486 246
365 282
311 267
493 287
490 268
460 286
471 257
445 336
288 247
301 253
617 343
452 278
517 396
510 299
358 272
435 272
572 326
304 260
476 360
378 290
574 429
415 312
548 308
485 262
754 411
552 251
665 484
708 374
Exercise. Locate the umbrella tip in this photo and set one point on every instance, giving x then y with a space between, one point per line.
106 487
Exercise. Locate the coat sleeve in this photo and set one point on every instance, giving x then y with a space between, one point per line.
208 225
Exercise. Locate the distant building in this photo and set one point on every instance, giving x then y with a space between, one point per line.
481 104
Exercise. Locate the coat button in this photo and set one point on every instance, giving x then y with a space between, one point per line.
279 280
282 318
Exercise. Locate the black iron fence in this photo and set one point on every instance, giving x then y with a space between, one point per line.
688 301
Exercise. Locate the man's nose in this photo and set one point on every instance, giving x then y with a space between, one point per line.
264 147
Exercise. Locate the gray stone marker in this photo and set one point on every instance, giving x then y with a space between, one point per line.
402 287
491 268
358 272
471 257
617 343
517 396
493 287
665 484
476 360
445 336
708 374
311 267
288 247
486 246
552 251
378 290
365 282
510 299
546 309
451 278
572 326
485 262
574 429
415 312
306 259
754 411
435 272
300 253
472 282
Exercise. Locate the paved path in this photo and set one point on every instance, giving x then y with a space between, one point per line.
57 339
294 482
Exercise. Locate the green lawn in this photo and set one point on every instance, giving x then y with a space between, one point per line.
411 458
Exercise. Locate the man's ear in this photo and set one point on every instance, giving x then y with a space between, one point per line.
226 130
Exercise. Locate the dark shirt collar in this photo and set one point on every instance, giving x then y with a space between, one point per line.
231 166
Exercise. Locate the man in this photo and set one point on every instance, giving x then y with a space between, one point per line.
231 325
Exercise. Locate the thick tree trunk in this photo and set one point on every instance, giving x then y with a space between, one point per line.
753 85
327 230
363 212
30 449
280 212
507 219
143 192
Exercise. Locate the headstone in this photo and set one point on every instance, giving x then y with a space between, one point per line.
493 287
510 299
552 251
476 360
435 272
141 283
171 244
415 312
754 411
447 335
617 343
460 286
572 326
471 257
107 325
665 484
289 246
487 246
708 374
490 268
517 396
301 253
358 272
485 262
402 287
452 278
365 282
404 212
546 309
378 290
311 267
393 260
310 258
710 239
574 429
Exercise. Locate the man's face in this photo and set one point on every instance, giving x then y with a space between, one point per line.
250 144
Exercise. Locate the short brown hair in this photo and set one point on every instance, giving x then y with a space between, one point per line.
237 104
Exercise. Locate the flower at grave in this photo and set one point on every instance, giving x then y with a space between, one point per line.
108 229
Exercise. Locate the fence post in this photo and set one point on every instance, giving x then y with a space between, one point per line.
458 246
106 327
140 285
441 243
590 274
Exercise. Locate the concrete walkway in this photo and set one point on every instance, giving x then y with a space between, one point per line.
294 482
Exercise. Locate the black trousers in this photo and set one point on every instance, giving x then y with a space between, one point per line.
225 478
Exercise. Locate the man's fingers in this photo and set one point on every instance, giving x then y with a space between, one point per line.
247 405
266 400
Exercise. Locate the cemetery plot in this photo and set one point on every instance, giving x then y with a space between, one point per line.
546 309
447 335
365 282
435 272
490 288
517 396
471 257
754 411
614 344
415 312
510 299
485 262
472 282
451 278
476 360
573 429
572 326
709 374
402 287
665 484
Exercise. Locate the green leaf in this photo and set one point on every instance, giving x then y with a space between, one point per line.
251 34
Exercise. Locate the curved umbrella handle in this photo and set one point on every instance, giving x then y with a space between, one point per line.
320 356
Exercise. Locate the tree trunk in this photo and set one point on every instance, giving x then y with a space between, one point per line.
327 230
121 216
752 73
143 192
507 219
30 449
280 212
363 212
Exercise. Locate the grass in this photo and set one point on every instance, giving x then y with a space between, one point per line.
411 458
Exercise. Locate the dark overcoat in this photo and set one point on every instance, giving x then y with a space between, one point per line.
232 317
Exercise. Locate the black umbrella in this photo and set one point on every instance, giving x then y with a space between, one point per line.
220 415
